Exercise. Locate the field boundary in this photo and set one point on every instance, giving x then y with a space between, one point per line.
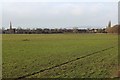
78 58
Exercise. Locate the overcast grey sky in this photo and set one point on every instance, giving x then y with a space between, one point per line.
59 14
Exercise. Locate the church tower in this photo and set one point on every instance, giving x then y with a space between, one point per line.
109 24
10 25
11 30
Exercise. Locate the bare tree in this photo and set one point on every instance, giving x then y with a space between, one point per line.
75 29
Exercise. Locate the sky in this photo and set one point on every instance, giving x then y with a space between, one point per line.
53 14
59 0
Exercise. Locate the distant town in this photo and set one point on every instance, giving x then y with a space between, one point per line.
107 29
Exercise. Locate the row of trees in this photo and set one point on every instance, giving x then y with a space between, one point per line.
48 31
114 29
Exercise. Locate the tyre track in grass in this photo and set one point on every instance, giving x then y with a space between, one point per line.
27 75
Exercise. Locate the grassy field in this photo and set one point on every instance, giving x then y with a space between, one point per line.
86 55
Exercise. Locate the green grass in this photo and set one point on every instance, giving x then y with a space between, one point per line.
24 54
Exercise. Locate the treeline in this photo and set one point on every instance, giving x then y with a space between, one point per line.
51 31
114 29
109 29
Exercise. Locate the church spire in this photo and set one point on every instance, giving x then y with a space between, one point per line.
109 24
10 25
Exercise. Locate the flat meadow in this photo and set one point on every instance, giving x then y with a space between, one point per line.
59 55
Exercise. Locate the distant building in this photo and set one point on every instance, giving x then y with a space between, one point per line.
11 30
109 24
